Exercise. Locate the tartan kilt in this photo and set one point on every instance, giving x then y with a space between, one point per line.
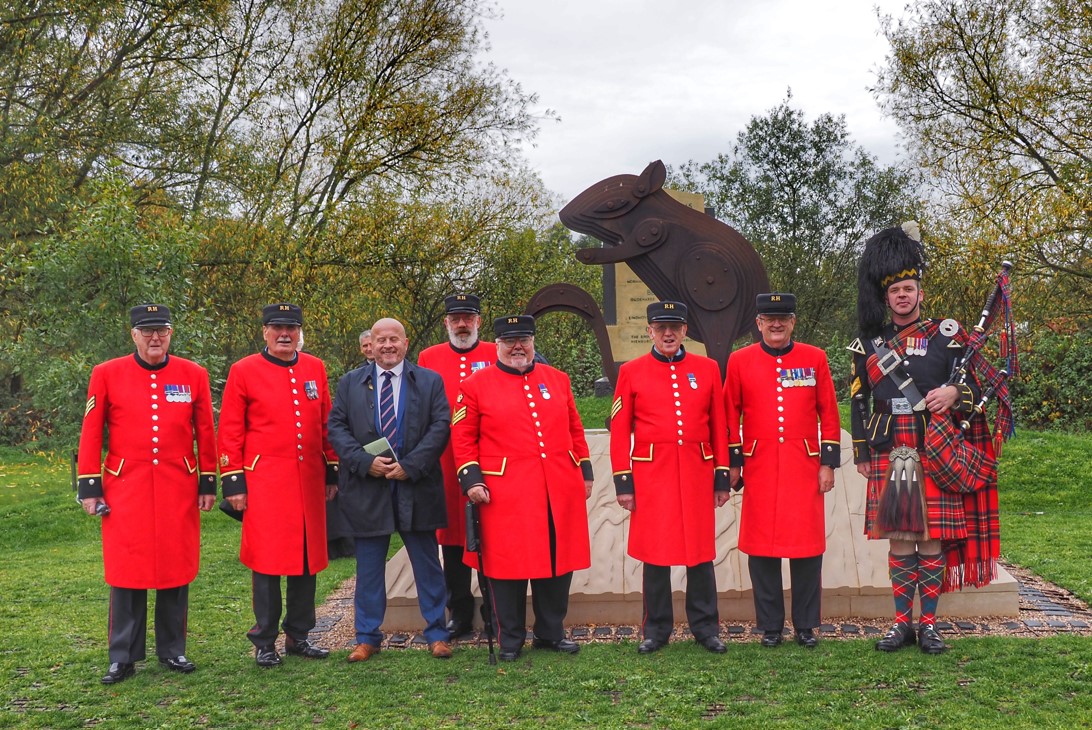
945 514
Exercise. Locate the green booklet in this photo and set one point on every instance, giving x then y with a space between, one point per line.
381 447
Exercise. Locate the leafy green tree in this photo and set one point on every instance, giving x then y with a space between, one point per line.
83 283
993 98
806 197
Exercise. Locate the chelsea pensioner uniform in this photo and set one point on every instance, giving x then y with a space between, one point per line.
520 435
930 349
150 477
779 394
274 448
673 410
454 365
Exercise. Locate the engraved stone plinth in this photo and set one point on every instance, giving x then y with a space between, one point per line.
855 582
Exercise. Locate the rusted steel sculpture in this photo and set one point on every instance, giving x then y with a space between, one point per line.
679 253
571 298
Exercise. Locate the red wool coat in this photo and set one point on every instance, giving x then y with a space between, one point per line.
454 366
789 416
274 448
673 413
521 435
150 477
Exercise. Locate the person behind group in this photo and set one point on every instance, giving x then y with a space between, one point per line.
398 491
462 355
278 468
901 368
523 458
785 440
669 454
150 488
366 347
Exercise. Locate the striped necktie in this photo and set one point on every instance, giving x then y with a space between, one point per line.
388 419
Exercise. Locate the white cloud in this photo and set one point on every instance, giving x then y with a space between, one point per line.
641 80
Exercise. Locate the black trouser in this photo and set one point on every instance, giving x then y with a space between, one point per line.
128 626
460 601
701 602
457 575
299 614
549 600
807 590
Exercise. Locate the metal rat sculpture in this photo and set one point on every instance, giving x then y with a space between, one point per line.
679 253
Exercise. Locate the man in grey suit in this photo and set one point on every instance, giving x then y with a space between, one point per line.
394 399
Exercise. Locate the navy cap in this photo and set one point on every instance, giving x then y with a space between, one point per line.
149 315
775 303
462 303
282 313
666 312
515 325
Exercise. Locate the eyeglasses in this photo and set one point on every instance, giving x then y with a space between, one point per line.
775 317
513 341
147 332
661 327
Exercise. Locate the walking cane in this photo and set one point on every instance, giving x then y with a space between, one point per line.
474 545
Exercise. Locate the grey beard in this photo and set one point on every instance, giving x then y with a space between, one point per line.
463 341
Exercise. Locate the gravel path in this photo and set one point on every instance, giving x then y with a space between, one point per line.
1045 610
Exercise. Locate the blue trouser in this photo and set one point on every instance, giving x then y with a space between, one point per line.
371 584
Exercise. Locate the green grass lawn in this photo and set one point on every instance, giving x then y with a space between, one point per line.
53 609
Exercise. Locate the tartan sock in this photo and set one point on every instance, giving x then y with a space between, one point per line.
903 570
930 579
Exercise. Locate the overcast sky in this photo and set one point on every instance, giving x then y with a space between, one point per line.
639 80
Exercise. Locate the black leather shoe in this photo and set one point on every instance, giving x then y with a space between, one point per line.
118 672
304 649
459 628
929 640
807 638
648 646
771 639
178 663
897 637
565 646
713 644
509 656
267 656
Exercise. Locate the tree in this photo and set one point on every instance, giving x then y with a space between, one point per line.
806 197
993 98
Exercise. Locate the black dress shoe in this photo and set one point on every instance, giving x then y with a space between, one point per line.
929 640
304 649
649 646
897 637
713 644
771 639
178 663
509 656
459 628
118 672
565 646
807 638
267 656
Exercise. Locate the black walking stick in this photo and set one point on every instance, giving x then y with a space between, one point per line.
474 545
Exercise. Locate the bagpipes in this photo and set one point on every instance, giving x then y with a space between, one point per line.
964 459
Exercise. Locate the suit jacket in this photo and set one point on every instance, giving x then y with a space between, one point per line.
367 502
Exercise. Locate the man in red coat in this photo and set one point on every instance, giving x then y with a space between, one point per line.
462 355
783 394
522 456
149 488
669 454
278 467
